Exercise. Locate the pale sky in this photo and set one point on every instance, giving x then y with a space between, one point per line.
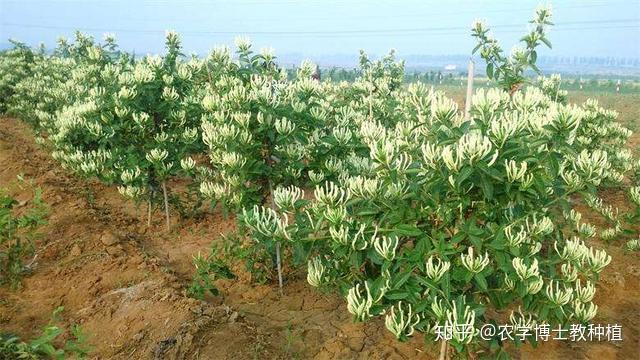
321 27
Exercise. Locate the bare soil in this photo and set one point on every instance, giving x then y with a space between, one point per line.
125 285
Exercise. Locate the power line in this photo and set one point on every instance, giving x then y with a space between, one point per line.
456 12
558 26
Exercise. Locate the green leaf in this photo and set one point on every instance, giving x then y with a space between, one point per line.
558 312
407 230
396 295
490 70
464 174
481 281
487 188
403 279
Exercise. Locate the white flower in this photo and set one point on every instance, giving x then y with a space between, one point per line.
331 195
213 191
462 325
597 259
126 93
232 160
508 283
502 129
364 188
633 245
584 312
171 36
122 112
266 222
401 321
402 163
315 272
284 126
474 147
573 249
142 73
572 179
515 172
286 197
523 271
190 135
170 94
359 242
584 293
474 264
543 226
132 192
479 25
634 194
515 239
592 166
385 246
452 159
242 43
336 215
439 310
558 296
184 72
130 175
339 235
430 154
359 304
534 286
141 118
519 320
157 155
437 270
569 272
383 151
342 135
608 234
187 164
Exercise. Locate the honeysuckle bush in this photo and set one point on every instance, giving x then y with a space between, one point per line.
258 128
36 97
255 126
154 115
508 71
337 149
552 87
463 217
598 129
15 66
127 122
268 136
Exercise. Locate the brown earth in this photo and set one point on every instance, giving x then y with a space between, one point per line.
124 284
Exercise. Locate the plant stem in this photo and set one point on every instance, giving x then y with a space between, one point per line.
278 260
443 350
166 205
278 264
149 210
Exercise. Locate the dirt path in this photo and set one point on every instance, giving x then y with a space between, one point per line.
91 261
125 285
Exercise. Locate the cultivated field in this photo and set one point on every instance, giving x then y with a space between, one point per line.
125 284
223 207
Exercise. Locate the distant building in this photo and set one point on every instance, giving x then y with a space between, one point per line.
450 67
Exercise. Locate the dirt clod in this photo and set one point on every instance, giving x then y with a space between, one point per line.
108 238
75 250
